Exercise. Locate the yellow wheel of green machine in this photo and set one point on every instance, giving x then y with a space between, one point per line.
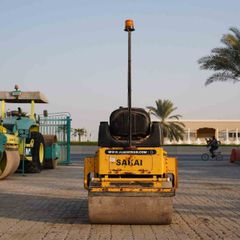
41 153
37 152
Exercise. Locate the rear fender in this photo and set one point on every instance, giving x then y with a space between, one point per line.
52 151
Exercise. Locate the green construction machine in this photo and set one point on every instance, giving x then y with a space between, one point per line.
21 143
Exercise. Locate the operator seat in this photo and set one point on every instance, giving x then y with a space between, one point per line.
17 113
144 132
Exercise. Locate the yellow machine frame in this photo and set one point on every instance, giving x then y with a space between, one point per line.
154 170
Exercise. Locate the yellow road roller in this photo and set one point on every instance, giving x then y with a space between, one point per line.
130 180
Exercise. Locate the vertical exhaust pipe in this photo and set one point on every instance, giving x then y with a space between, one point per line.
129 27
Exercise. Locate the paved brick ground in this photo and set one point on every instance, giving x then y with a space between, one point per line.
53 205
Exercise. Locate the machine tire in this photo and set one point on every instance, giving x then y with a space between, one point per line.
36 165
49 141
50 163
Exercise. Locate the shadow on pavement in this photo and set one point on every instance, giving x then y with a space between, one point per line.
44 209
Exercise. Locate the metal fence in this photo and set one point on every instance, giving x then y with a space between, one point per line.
58 124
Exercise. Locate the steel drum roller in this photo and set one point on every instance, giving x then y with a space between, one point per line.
9 163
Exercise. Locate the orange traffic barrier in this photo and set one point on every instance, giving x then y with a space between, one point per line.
235 155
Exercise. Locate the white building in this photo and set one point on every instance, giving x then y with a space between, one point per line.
226 131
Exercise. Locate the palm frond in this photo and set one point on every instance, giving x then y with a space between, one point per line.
177 116
230 41
164 109
236 31
222 77
154 112
224 60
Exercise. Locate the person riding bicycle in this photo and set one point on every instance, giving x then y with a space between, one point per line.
213 144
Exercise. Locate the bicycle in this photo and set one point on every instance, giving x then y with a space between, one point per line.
206 156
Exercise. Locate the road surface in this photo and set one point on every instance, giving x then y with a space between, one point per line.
53 205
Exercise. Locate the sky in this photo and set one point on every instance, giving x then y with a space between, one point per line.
75 52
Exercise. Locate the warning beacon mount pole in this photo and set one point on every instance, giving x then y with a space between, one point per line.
129 27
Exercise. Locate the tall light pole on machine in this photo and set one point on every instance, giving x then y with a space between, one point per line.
129 27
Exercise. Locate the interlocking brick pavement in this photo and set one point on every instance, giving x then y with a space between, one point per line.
53 206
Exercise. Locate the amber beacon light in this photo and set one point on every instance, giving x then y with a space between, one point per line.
129 25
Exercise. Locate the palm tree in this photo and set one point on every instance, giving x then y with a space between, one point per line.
224 60
171 129
79 132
